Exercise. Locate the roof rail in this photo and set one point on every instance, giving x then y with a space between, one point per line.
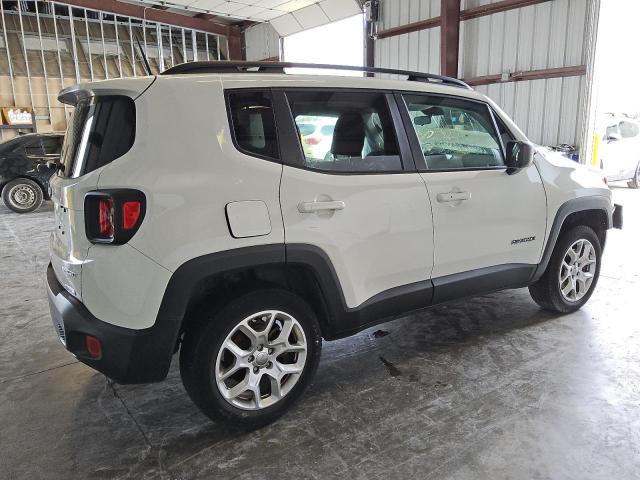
278 67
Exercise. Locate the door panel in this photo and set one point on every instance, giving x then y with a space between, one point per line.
381 238
482 217
503 219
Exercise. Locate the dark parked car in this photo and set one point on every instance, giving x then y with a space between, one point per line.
26 164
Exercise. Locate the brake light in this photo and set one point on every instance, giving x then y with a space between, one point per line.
130 214
105 218
312 141
94 347
113 216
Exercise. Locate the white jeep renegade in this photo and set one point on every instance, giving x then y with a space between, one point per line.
191 218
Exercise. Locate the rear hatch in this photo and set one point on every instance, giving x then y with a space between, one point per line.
101 129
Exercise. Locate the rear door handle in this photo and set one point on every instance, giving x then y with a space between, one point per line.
453 197
312 207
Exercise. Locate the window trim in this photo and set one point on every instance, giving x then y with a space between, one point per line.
294 156
420 161
232 130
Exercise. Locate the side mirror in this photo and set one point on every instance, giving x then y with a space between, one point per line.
614 137
519 156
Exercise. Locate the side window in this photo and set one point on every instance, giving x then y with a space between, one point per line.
51 145
454 133
505 135
345 131
34 148
253 123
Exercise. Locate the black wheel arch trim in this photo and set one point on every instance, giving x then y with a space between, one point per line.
571 206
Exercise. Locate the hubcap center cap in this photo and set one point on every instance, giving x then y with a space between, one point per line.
261 359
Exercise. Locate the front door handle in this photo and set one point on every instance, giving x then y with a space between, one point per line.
312 207
453 197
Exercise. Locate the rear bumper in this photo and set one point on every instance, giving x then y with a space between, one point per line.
128 356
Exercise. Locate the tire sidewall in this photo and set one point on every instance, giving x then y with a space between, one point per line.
568 239
6 195
201 350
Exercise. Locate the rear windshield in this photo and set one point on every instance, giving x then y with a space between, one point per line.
100 130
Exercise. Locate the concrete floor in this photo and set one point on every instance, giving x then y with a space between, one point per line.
487 388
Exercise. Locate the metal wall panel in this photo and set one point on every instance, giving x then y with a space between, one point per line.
414 51
548 35
262 42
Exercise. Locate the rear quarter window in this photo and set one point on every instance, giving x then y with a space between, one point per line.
99 131
252 123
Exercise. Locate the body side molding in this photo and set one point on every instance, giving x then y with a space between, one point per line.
571 206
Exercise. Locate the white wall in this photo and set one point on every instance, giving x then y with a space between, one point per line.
262 42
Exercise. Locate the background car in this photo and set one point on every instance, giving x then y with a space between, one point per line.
620 150
26 164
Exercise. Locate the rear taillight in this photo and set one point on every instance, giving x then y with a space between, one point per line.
130 214
105 218
113 216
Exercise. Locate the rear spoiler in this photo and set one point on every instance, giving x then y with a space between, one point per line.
129 87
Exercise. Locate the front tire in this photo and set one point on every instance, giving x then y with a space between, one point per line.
22 195
248 362
572 272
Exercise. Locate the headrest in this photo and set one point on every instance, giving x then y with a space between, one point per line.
348 135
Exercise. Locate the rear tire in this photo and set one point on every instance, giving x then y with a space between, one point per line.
236 364
22 195
635 181
570 278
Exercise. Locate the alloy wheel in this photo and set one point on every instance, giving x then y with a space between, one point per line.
577 270
261 360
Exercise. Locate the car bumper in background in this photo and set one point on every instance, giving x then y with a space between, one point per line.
128 356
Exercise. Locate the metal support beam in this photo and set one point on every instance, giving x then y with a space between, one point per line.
115 26
86 26
73 45
24 49
133 49
449 37
529 75
55 29
6 44
369 47
104 49
150 14
469 13
234 47
44 63
497 7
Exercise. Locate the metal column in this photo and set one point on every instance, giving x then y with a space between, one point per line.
55 29
86 26
133 50
6 43
24 49
104 49
44 64
115 26
73 44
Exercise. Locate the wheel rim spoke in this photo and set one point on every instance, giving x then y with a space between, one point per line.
256 372
577 270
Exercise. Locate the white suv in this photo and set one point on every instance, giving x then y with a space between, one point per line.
189 219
